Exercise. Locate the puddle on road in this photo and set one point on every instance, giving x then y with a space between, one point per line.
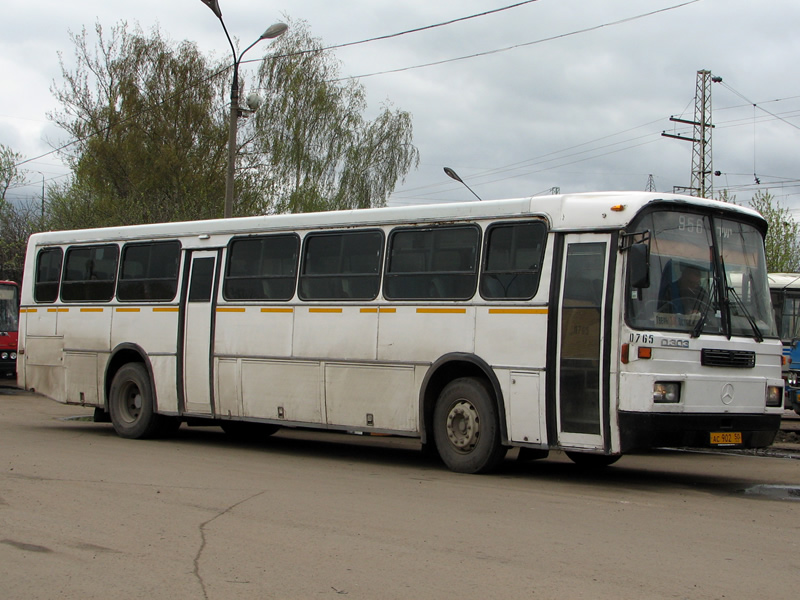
774 492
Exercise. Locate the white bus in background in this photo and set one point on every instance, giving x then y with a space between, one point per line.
539 323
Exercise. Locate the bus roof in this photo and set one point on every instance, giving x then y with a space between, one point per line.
574 212
784 281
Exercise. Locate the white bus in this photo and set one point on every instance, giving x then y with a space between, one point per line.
561 322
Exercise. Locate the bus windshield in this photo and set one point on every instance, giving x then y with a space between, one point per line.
9 308
707 276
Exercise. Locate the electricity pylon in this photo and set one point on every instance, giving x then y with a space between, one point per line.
702 171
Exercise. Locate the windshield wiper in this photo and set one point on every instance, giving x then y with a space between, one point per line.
759 337
703 312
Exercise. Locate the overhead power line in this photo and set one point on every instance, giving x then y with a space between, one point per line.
514 47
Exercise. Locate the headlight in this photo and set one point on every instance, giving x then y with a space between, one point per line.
13 356
4 355
774 395
666 392
791 378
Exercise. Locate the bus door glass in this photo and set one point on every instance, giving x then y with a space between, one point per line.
580 357
197 333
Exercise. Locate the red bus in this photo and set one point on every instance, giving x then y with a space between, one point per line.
9 328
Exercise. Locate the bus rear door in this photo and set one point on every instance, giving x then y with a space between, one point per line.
198 318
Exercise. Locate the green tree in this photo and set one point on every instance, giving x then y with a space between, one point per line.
150 127
10 174
782 242
18 219
149 138
310 142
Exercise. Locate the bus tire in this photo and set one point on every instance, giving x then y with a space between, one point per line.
130 402
593 461
466 428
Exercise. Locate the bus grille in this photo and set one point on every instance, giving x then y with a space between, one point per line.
737 359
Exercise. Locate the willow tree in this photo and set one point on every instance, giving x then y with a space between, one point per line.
149 141
310 142
782 241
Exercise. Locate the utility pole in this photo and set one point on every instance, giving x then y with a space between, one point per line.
702 171
651 184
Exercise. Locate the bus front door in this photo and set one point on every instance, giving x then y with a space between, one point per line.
197 333
579 381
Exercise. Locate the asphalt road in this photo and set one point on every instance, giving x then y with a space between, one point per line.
86 514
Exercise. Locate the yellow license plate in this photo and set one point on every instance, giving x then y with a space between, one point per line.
726 438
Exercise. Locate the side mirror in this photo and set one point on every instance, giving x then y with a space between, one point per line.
639 265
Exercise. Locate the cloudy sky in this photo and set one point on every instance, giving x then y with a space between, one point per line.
571 94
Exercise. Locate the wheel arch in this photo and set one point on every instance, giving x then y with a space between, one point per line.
446 369
121 355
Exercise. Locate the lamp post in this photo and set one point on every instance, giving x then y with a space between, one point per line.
42 174
272 32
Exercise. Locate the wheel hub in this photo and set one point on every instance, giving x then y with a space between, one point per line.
463 426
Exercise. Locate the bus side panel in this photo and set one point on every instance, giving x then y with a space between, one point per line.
276 389
338 332
512 336
85 328
165 374
257 331
155 330
44 366
382 397
424 333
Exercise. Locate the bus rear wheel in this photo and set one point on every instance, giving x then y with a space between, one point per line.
132 406
466 427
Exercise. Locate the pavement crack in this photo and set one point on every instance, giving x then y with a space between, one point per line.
202 547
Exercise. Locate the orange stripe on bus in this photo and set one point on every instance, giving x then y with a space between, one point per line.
91 310
518 311
57 310
127 309
277 310
232 309
386 309
369 309
442 311
165 309
324 310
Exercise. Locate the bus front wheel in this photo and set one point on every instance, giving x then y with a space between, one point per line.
466 427
130 402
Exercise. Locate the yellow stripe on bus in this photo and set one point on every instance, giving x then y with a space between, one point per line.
324 310
127 309
165 309
231 309
91 310
518 311
369 309
57 310
442 311
277 310
387 309
30 310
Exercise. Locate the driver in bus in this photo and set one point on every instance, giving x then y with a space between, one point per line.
684 296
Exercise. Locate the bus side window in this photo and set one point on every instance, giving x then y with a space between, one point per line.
48 274
432 264
149 271
512 260
341 266
90 273
262 268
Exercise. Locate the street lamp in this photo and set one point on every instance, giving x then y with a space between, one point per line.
272 32
453 175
